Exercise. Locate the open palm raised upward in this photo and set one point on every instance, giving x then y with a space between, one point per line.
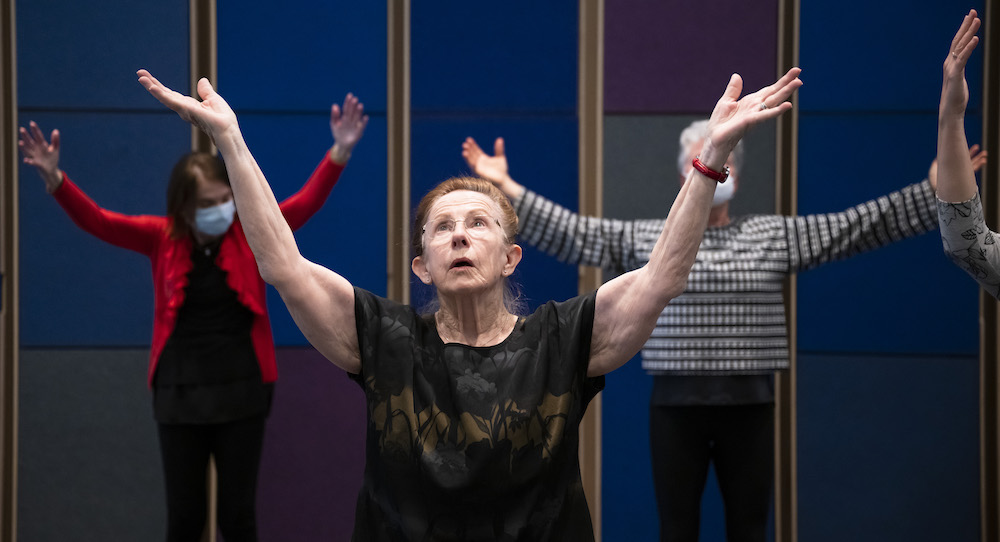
212 114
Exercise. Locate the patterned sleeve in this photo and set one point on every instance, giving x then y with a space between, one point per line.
615 245
969 243
816 239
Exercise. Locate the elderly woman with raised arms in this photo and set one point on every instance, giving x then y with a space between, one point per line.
473 410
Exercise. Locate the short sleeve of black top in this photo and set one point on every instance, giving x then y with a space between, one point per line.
474 443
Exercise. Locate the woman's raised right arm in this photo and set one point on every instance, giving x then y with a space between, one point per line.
967 240
320 301
956 178
138 233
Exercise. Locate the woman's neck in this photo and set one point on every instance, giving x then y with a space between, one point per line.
474 322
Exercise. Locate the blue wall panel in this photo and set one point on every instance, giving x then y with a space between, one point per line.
861 304
301 55
518 56
77 54
76 289
878 56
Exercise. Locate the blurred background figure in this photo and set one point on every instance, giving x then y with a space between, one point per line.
212 364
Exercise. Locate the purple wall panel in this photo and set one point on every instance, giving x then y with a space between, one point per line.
676 57
314 451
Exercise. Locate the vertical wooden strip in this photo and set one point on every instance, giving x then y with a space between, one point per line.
989 310
590 110
398 127
203 39
203 36
8 268
785 483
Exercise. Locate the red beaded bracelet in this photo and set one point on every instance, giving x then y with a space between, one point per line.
720 176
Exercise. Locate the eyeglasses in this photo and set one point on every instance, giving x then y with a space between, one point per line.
475 226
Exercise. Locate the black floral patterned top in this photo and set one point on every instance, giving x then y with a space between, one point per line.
474 443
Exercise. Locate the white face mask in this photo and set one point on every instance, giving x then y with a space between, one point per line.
215 220
724 191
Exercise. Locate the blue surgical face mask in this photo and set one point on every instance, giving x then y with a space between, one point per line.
215 220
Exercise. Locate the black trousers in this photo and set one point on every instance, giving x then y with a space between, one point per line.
185 450
739 440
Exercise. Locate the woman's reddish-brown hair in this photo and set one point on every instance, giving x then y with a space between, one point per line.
508 221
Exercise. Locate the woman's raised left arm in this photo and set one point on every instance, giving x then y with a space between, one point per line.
628 306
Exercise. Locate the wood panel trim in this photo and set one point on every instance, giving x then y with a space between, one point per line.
786 194
398 156
203 62
204 51
8 266
989 311
590 111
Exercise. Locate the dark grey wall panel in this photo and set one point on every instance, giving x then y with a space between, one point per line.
88 465
640 166
888 447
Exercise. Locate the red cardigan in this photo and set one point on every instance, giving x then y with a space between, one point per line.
171 258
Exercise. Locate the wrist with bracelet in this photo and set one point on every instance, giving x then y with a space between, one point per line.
719 176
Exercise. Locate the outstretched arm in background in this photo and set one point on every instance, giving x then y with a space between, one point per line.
42 154
628 306
492 168
966 238
138 233
615 245
347 125
320 301
956 180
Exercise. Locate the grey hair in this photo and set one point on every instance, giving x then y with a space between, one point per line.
695 132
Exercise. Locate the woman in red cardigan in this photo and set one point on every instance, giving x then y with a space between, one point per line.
211 365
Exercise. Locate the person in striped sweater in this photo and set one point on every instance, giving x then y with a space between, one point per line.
716 347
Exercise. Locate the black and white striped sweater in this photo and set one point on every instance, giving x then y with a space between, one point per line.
731 318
